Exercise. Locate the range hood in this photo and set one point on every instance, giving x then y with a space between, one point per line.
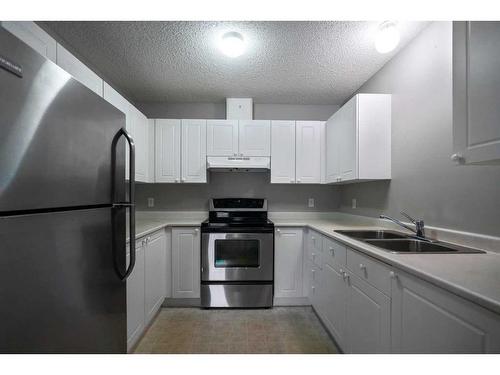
238 164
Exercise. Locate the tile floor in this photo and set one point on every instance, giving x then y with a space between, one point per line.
279 330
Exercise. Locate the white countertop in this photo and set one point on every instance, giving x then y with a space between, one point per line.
475 277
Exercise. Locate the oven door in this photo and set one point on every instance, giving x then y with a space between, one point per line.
237 256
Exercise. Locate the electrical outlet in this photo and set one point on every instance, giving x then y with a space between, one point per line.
354 203
151 202
310 203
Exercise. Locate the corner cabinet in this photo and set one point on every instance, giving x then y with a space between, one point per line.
358 140
297 152
476 92
180 151
428 319
186 262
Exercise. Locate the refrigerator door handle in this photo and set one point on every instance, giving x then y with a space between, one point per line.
130 204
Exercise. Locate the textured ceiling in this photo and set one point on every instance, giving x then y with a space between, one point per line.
286 62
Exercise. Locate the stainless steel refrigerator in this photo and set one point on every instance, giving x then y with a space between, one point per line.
63 205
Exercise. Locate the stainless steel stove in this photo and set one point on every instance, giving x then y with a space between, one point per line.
237 254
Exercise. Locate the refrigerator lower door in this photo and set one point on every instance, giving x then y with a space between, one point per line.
58 287
56 136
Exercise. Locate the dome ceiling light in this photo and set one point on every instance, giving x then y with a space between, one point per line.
387 37
232 44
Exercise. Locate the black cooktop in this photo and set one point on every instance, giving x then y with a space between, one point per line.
237 212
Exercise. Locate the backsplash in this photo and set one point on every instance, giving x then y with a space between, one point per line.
194 197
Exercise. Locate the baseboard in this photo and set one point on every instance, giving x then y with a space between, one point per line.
291 301
182 302
327 330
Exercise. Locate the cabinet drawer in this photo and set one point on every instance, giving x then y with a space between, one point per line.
370 270
334 253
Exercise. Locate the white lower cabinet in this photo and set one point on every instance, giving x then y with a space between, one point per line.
332 302
368 315
186 262
428 319
288 272
156 272
135 296
146 285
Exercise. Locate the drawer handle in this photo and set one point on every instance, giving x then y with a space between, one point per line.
362 267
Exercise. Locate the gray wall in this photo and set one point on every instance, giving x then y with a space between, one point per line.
425 181
194 197
218 111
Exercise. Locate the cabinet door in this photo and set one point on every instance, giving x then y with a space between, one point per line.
347 145
135 297
194 151
78 70
332 173
254 138
288 265
368 328
167 150
476 91
141 139
156 268
222 137
186 262
308 159
333 292
428 319
282 152
33 35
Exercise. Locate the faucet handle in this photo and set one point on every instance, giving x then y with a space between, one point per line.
408 217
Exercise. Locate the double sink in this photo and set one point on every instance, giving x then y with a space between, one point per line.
400 243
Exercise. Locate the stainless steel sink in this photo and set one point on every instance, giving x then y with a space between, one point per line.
372 234
415 246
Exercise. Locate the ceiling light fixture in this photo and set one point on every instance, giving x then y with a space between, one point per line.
232 44
387 37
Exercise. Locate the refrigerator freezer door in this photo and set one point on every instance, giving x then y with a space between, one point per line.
55 135
58 286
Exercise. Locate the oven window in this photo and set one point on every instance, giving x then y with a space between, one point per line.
237 253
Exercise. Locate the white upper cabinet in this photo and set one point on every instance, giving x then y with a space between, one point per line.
167 150
309 149
222 137
254 138
33 35
141 138
358 140
194 152
282 152
476 92
78 70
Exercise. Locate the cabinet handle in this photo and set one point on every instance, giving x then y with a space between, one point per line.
183 180
292 181
346 276
312 238
241 154
459 158
196 230
341 271
332 251
298 180
176 180
362 266
235 154
392 275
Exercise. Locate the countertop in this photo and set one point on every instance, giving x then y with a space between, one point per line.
475 277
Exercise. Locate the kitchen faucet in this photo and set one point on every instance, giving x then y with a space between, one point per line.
419 224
